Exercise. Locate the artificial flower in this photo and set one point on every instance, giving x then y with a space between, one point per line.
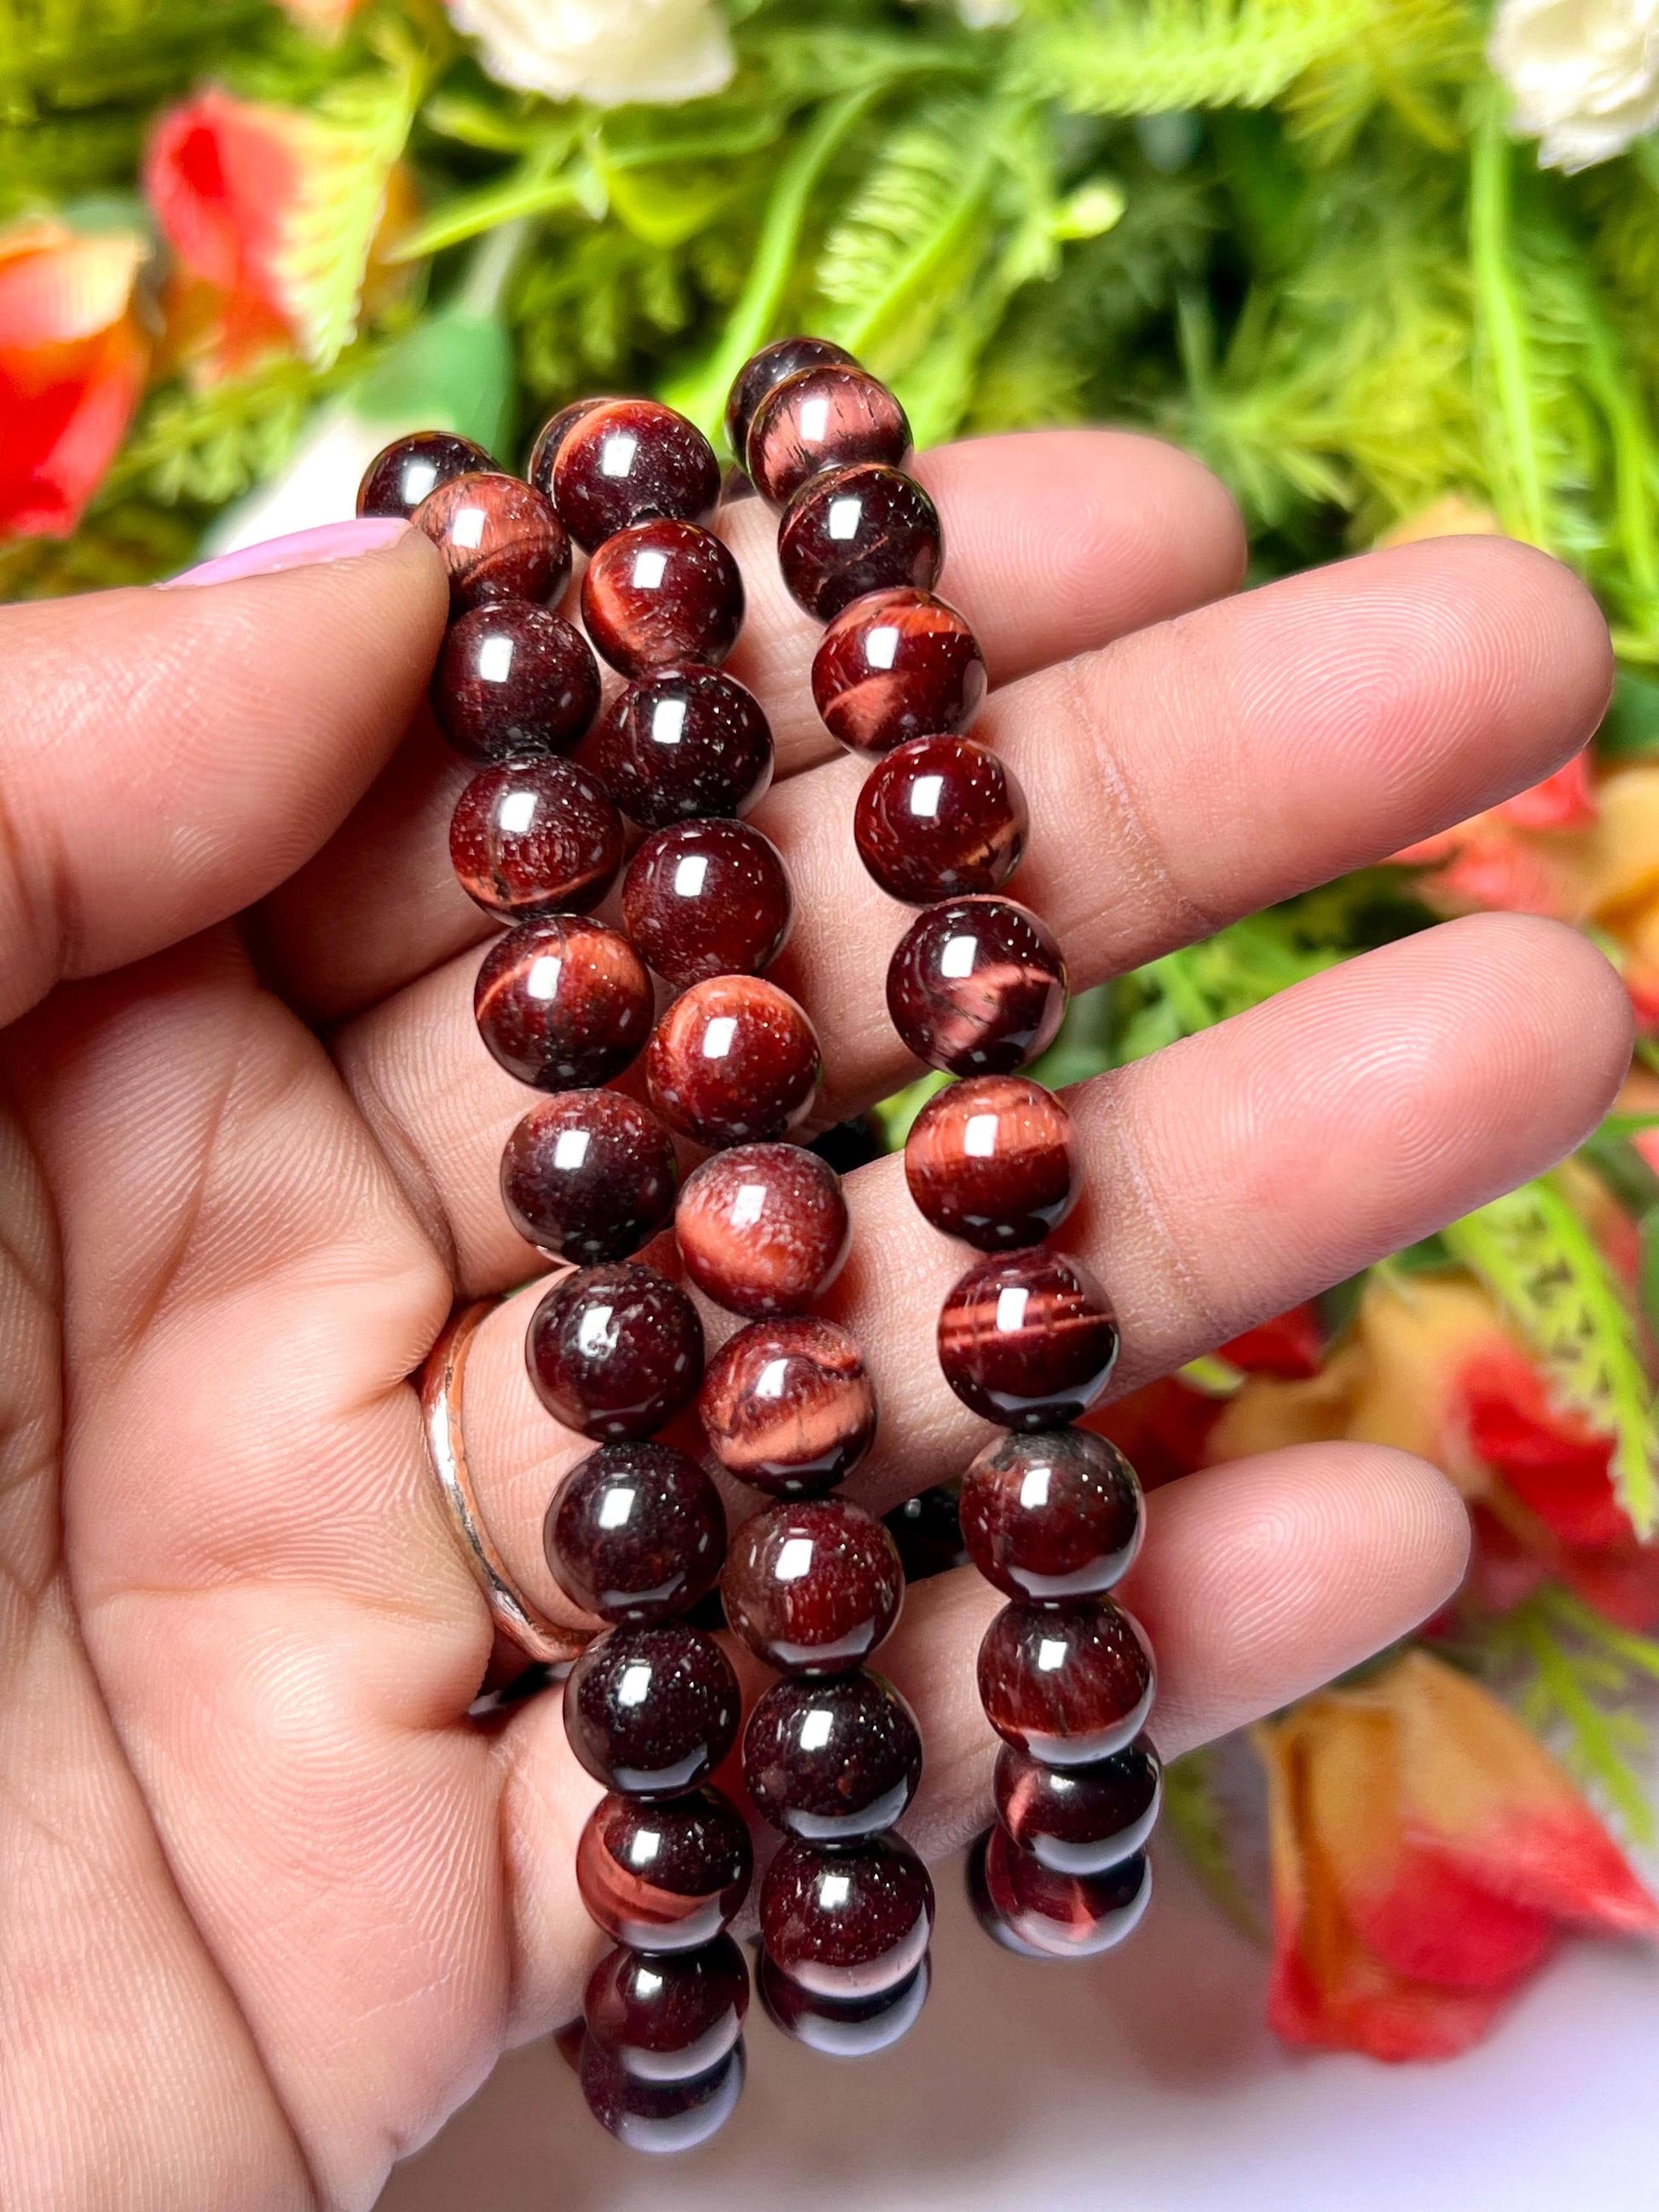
609 51
1583 75
73 357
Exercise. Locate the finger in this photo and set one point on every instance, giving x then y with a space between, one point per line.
1058 541
1259 1581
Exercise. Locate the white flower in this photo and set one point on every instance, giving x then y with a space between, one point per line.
1584 74
606 51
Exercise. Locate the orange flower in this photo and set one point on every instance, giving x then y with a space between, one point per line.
1427 1854
73 357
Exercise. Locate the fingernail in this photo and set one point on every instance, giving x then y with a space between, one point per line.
304 549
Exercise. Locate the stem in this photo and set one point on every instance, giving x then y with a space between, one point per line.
486 280
1500 322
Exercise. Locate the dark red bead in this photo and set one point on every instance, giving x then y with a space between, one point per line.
664 1877
614 1351
652 1712
788 1406
514 678
977 986
664 2117
683 742
401 474
1055 1515
563 1003
589 1176
636 1534
764 372
762 1229
1080 1820
833 416
896 665
856 531
1068 1684
668 2018
662 592
846 1921
499 537
534 837
1055 1916
852 2028
812 1586
628 461
990 1160
707 898
734 1060
939 819
549 439
1028 1340
832 1759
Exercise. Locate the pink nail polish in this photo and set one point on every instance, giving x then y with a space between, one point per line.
304 549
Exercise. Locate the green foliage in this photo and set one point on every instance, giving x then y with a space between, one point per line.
1147 57
1196 1815
1203 984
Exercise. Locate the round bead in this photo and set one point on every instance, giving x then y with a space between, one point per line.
1056 1515
938 818
895 666
762 1230
764 372
683 742
707 898
563 1003
788 1406
627 460
990 1160
856 531
664 2117
614 1351
534 837
499 537
545 454
652 1712
734 1060
856 2027
831 416
401 474
832 1759
636 1533
812 1586
661 593
514 678
1068 1685
668 2018
977 986
1080 1820
1028 1340
1056 1916
588 1176
847 1922
664 1877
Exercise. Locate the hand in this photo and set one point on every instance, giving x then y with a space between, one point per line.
270 1904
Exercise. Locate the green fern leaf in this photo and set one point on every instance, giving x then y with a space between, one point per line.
1148 57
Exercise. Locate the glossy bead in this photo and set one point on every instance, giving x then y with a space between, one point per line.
977 986
636 1533
563 1003
614 1351
707 898
535 837
663 2118
831 416
990 1160
514 678
856 531
1080 1820
1028 1340
551 438
1056 1515
1058 1916
896 665
652 1712
763 1229
734 1060
812 1586
589 1176
1068 1684
662 592
628 461
683 742
664 1877
848 1920
401 474
499 537
938 818
764 372
832 1759
855 2027
788 1406
668 2017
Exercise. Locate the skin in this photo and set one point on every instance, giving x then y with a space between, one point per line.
270 1906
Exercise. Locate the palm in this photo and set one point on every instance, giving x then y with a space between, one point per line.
271 1903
